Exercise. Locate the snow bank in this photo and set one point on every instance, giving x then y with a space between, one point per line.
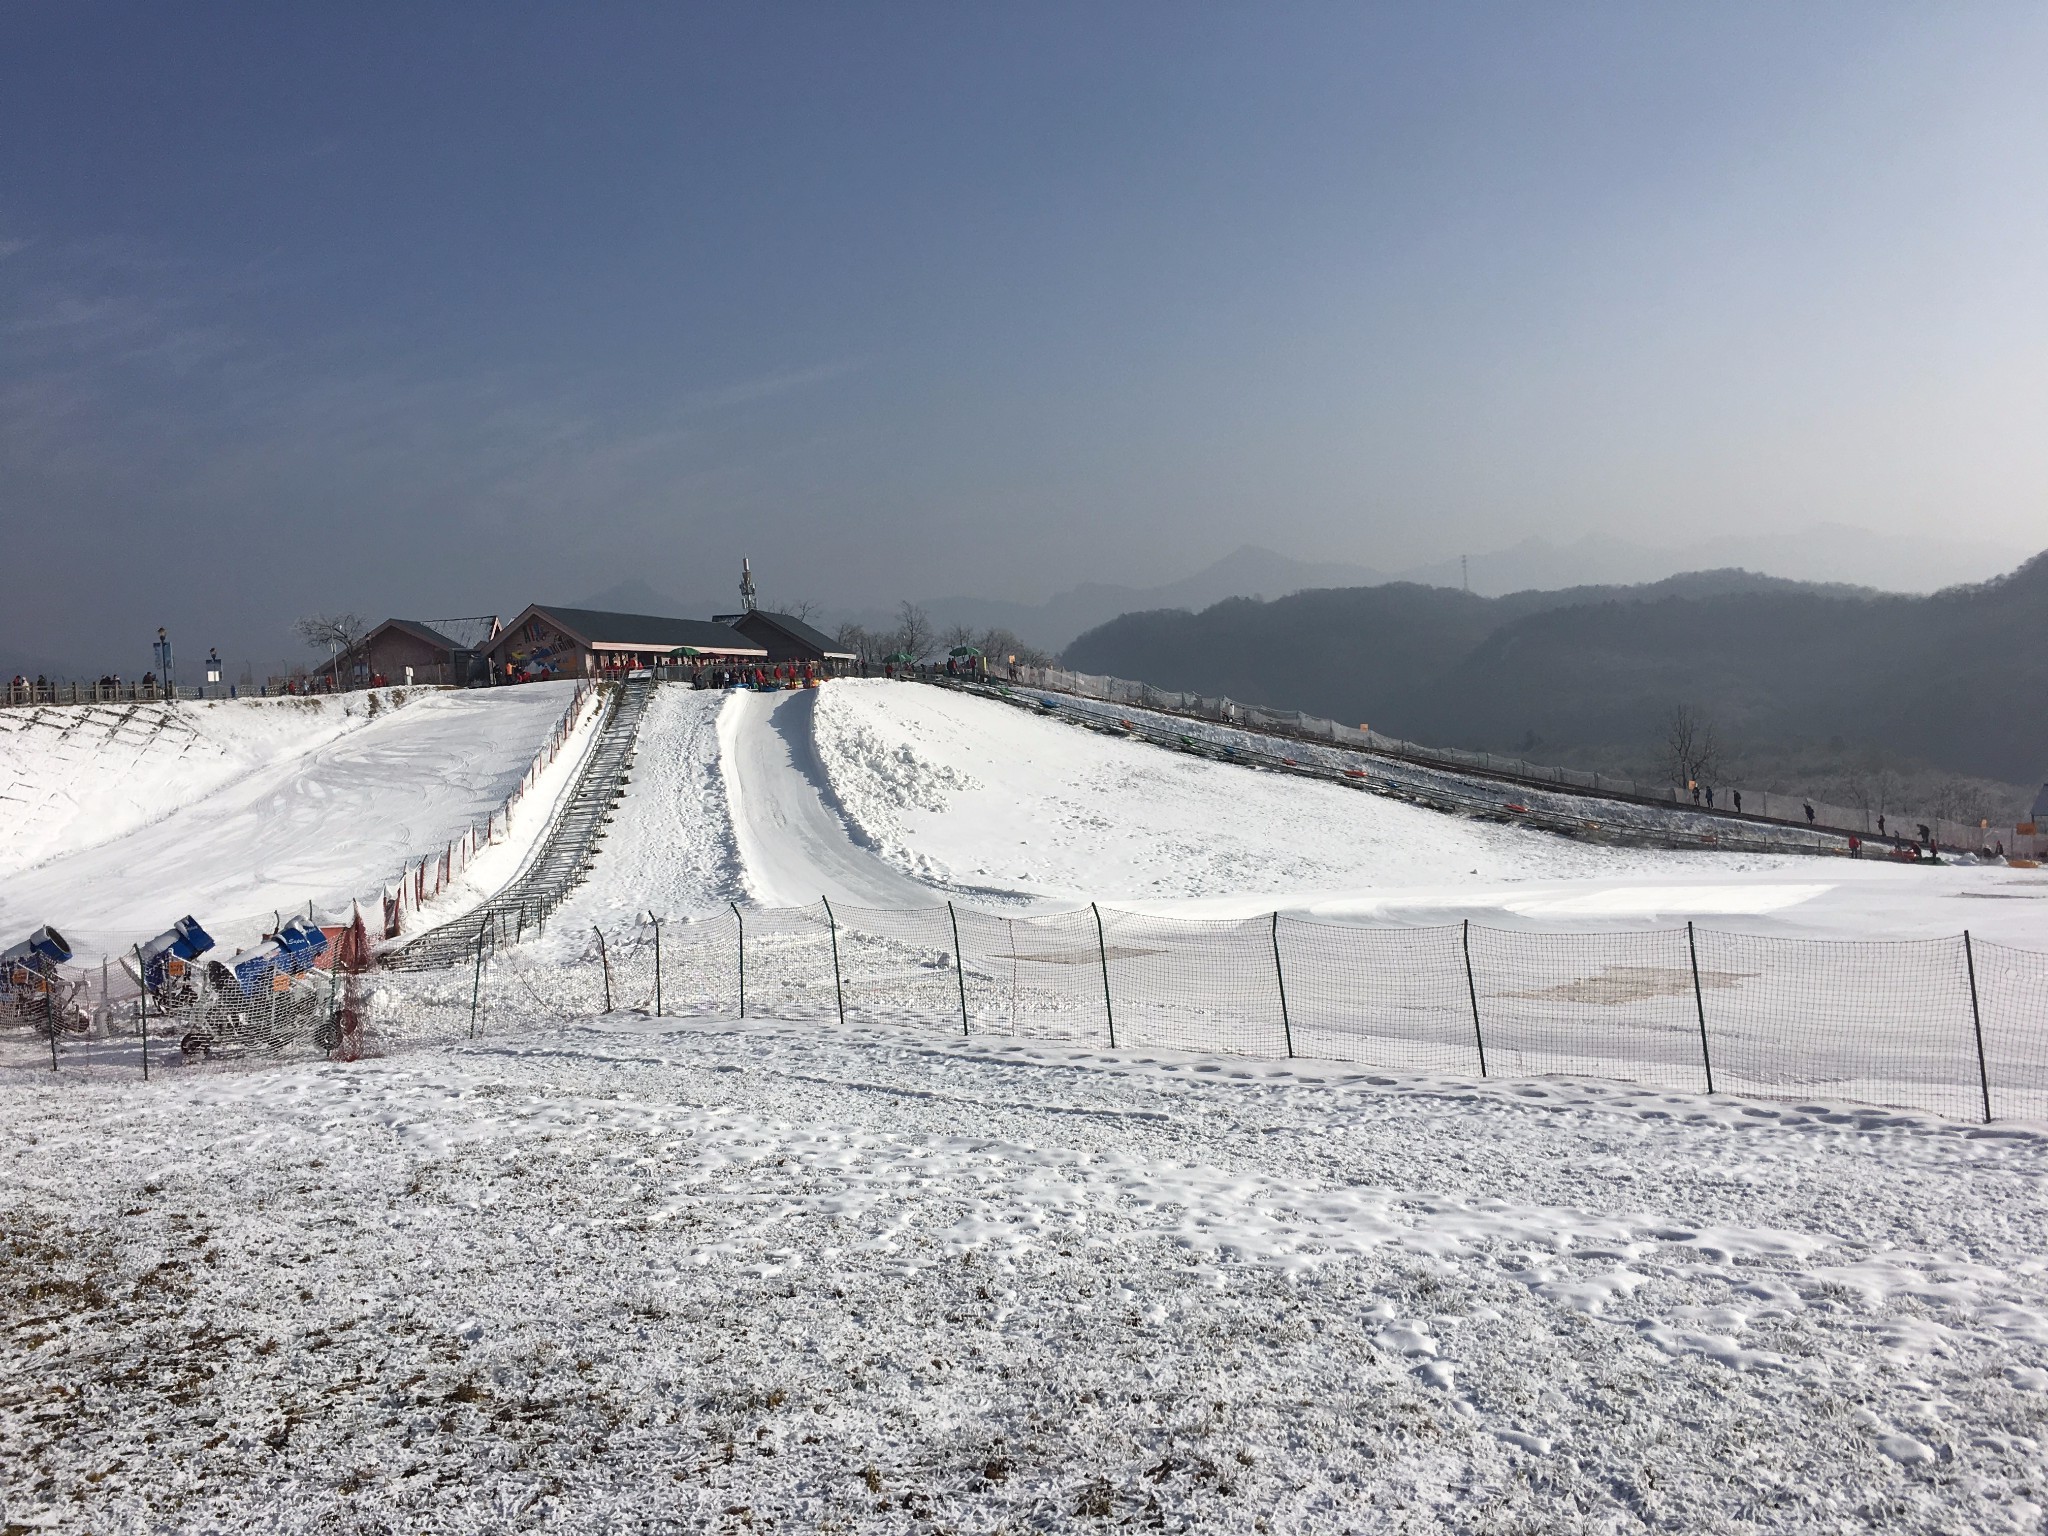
279 803
76 776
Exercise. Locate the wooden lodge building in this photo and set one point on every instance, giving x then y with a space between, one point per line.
544 642
403 652
787 638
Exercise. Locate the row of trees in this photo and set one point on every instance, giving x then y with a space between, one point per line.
1692 754
914 635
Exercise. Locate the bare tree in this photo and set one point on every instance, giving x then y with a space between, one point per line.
341 635
913 632
1690 752
1854 788
957 635
858 639
1003 645
803 610
1956 799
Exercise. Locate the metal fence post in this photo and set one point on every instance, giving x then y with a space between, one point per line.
838 986
959 966
1699 1004
604 959
1280 977
1472 991
143 1001
50 1015
476 985
741 920
1102 947
1977 1023
657 962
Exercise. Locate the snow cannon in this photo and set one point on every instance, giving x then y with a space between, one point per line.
38 954
301 944
26 968
291 951
168 957
249 972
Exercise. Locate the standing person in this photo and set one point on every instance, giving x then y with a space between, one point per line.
1880 823
1710 797
1738 802
1809 813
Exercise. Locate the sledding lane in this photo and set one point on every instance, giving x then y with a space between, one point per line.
794 842
322 826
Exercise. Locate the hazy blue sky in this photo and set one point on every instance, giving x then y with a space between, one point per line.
442 308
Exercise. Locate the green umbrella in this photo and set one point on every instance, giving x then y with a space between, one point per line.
963 650
900 657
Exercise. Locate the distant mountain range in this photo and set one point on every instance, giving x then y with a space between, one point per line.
1824 552
1953 679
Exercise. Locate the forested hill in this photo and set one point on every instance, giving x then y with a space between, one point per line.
1958 679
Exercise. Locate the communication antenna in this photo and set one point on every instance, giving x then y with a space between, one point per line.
746 584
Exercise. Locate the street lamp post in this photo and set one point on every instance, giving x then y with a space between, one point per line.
212 668
162 648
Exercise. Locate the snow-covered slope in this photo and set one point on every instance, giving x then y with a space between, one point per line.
270 806
974 794
77 776
884 794
991 802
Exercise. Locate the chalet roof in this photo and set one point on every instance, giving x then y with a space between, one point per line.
638 631
471 634
797 630
420 630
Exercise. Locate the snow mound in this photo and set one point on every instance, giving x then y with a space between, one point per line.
978 796
75 776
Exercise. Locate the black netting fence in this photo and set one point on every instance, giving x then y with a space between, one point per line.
1952 1026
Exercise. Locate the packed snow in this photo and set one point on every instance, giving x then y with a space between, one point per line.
661 1276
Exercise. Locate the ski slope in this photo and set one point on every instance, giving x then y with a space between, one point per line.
273 804
879 793
870 793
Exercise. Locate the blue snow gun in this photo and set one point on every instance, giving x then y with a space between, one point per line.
295 948
33 959
169 956
300 945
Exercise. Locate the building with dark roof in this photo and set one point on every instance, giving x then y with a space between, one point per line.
581 642
786 637
418 651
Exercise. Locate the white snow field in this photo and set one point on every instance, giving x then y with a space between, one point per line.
234 810
884 794
653 1276
600 1271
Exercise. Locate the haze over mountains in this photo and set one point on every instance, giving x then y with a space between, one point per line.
1822 552
1953 679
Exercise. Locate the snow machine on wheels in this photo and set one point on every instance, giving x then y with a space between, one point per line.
265 998
167 966
34 989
